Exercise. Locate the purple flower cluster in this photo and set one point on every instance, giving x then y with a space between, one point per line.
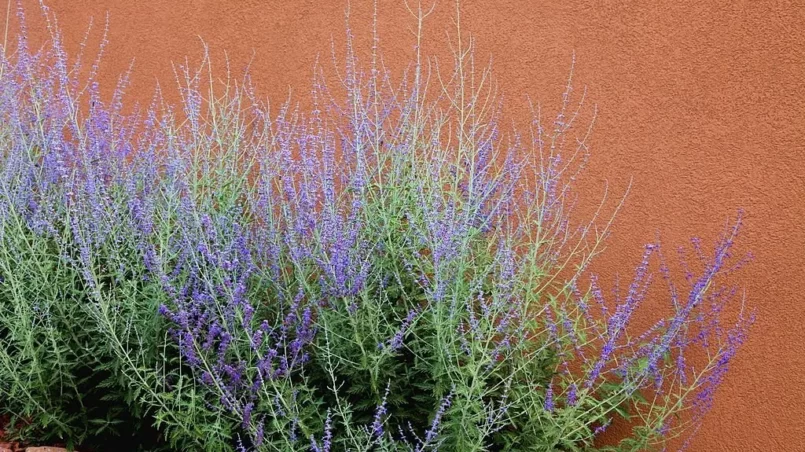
397 340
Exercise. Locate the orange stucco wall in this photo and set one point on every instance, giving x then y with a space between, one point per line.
702 102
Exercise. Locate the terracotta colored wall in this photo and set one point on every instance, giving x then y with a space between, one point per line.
701 101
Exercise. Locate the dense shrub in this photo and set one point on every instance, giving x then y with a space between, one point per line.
384 272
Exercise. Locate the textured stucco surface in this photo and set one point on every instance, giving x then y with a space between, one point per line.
702 102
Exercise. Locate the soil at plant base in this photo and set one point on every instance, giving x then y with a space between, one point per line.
7 446
4 445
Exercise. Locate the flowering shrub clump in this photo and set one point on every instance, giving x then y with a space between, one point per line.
384 272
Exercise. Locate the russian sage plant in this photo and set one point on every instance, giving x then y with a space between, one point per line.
384 271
